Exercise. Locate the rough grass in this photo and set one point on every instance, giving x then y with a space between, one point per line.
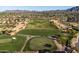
39 42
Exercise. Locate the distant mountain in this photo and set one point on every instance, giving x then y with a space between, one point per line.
49 11
16 11
74 9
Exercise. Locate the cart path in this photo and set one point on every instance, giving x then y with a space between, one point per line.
28 37
59 46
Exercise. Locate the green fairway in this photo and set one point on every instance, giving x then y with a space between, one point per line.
12 45
37 23
40 27
40 32
3 36
5 40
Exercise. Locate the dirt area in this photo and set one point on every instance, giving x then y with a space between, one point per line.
59 24
74 23
59 46
75 40
20 26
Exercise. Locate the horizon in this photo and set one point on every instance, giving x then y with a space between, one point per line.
34 8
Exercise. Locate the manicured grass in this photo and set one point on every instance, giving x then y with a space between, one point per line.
5 40
40 32
36 23
41 28
38 43
14 45
2 36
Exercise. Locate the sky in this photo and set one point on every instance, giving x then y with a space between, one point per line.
34 8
